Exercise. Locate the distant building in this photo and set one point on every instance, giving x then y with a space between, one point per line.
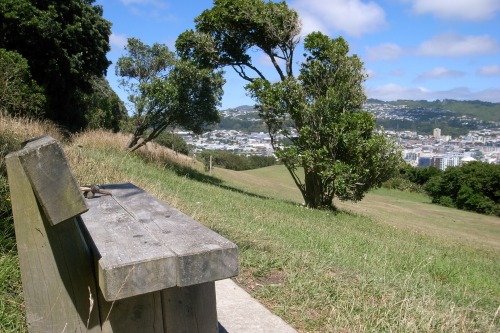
438 162
424 161
437 133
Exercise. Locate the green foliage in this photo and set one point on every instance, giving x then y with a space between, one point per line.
419 175
103 108
403 184
172 141
167 91
65 44
333 141
318 112
228 160
474 186
11 299
226 32
20 95
243 125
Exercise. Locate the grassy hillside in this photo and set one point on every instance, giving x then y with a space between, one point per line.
410 211
319 271
481 110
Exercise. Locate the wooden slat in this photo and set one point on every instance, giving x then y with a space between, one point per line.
53 183
190 309
145 245
141 313
130 260
56 267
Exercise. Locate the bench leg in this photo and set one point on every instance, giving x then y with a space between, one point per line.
190 309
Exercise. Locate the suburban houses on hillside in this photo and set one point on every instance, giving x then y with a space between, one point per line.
441 151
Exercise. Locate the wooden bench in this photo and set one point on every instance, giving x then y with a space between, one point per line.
124 262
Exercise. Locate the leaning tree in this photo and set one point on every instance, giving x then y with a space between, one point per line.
166 91
317 128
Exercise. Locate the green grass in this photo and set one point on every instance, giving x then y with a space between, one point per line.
325 272
349 271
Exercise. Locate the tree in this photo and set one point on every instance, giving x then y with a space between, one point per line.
166 91
331 147
173 141
65 44
473 186
19 93
103 108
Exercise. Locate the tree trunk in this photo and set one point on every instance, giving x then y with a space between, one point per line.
313 194
316 194
133 142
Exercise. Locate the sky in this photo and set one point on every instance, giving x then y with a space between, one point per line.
411 49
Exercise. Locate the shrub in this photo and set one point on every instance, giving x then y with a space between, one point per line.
403 184
19 93
173 141
473 186
235 162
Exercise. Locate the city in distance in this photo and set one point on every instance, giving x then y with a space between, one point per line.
441 133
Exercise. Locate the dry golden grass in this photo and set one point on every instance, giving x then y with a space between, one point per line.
22 129
92 156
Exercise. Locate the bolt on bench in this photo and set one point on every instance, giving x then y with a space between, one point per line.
124 262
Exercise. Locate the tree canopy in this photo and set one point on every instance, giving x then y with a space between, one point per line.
166 91
473 186
19 93
65 45
332 149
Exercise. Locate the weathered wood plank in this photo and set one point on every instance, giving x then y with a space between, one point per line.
56 267
141 313
140 238
53 183
130 261
202 254
190 309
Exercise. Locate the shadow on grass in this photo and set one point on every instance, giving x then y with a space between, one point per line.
190 173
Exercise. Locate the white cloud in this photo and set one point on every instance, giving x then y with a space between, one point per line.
387 51
491 70
392 92
117 42
311 24
353 17
467 10
454 45
439 73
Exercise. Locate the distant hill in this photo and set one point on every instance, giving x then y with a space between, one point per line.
485 111
421 116
481 110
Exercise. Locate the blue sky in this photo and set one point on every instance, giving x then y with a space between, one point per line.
412 49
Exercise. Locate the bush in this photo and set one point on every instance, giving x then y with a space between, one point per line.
403 184
172 141
19 93
228 160
473 186
419 175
